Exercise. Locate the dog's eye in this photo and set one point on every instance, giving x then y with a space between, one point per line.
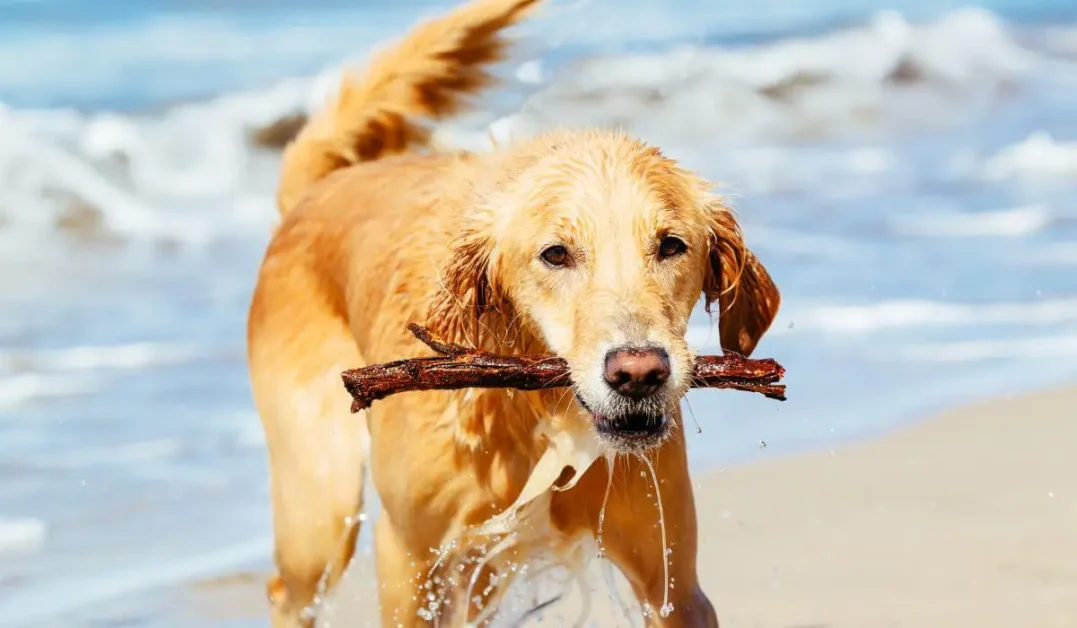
670 247
555 255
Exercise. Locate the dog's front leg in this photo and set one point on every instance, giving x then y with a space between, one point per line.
654 547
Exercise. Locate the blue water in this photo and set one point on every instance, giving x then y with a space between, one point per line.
134 54
921 263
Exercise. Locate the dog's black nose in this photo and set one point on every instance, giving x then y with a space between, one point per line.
636 373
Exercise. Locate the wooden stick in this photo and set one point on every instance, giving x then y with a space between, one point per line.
458 367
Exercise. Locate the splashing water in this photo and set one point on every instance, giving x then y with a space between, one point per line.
615 596
602 511
319 601
666 608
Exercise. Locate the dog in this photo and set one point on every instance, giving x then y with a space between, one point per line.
589 244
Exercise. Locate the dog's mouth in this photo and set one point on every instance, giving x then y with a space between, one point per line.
630 431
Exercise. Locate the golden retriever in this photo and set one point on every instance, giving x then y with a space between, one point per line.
589 244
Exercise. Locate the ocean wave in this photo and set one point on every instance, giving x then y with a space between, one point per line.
895 314
980 350
1057 254
17 390
199 171
21 536
799 243
888 72
1037 158
131 455
1014 222
90 357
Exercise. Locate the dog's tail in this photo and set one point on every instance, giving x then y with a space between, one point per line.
429 74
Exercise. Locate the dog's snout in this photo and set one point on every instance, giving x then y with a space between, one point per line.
636 373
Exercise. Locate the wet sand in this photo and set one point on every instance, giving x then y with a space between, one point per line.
967 518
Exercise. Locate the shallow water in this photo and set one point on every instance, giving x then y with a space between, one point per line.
907 176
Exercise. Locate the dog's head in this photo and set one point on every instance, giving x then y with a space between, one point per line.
599 247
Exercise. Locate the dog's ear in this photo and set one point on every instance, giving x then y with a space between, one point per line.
747 298
467 290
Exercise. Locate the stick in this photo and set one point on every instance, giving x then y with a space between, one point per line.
458 367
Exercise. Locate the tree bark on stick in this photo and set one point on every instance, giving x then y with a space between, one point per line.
458 367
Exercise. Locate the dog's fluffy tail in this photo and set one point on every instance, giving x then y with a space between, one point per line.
429 74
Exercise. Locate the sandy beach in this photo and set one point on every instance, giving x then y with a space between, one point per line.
967 518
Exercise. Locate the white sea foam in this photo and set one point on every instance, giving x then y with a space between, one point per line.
895 314
16 390
1058 346
1057 254
21 535
1015 222
1061 41
799 243
131 455
847 81
1037 158
90 357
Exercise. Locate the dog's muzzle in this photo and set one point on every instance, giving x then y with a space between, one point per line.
629 431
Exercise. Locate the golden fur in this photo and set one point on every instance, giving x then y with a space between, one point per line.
375 234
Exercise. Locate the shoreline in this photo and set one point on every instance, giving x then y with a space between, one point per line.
961 517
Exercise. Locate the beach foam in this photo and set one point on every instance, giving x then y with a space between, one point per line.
92 357
860 79
1054 346
1015 222
21 536
913 313
1037 158
16 390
